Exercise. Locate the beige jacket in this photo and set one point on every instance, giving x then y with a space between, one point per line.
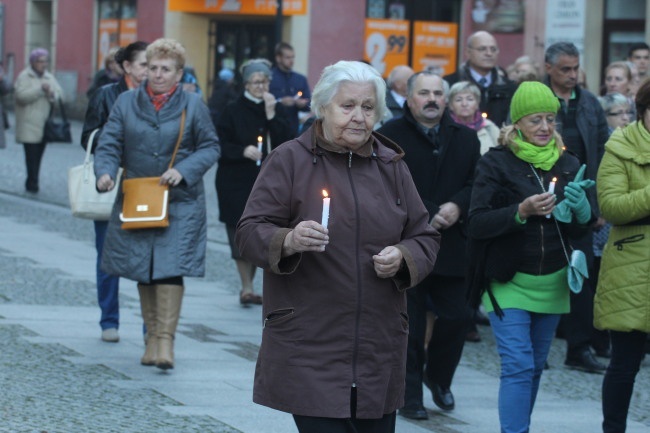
32 104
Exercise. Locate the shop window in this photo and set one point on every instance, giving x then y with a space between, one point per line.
117 26
624 25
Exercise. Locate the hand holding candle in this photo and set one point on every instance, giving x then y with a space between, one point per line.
326 209
259 148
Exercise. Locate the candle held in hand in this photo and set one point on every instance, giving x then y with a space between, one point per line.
298 95
259 148
551 190
326 209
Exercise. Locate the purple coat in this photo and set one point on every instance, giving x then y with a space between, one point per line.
329 322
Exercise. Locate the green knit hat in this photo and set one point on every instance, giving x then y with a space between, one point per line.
532 97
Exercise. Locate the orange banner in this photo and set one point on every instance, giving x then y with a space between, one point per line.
244 7
387 44
434 46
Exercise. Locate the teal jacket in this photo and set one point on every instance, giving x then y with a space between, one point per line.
622 300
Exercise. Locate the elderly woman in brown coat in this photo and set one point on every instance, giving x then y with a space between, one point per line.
333 348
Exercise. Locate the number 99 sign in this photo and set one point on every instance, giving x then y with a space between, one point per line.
386 50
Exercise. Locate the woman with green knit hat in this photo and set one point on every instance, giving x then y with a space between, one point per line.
519 243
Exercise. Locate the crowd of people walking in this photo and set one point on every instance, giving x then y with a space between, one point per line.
389 218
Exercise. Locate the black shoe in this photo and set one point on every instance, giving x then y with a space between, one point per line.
604 353
443 398
415 411
586 362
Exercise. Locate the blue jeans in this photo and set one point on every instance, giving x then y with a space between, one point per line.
107 285
523 341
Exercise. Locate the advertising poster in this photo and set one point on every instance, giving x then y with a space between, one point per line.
386 44
434 46
565 22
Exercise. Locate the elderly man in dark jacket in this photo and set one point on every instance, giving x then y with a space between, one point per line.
482 69
441 156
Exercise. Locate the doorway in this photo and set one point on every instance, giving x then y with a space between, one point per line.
232 43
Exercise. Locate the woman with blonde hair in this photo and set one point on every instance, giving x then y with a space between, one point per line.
141 134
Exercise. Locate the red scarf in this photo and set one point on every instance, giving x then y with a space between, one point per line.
160 100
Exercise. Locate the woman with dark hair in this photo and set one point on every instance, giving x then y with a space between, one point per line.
133 62
622 302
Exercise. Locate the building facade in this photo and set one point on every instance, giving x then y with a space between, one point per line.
224 33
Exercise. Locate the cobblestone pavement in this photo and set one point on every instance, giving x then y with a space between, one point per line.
49 387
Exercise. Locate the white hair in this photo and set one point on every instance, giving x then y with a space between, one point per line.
352 72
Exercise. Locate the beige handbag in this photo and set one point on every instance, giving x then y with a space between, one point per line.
85 201
146 202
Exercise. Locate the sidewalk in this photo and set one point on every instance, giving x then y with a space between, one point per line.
57 376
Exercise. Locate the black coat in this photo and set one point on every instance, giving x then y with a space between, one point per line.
440 179
495 100
499 246
99 107
239 126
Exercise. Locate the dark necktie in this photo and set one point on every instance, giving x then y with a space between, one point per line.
433 138
482 82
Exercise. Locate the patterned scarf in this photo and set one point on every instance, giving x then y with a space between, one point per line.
476 123
160 100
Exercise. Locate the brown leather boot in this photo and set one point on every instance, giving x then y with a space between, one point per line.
168 302
148 307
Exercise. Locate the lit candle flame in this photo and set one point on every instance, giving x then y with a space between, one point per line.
484 115
259 138
325 193
299 94
554 179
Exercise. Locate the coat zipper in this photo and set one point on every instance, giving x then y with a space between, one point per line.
541 240
355 353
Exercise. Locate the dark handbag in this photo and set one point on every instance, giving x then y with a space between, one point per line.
57 130
146 202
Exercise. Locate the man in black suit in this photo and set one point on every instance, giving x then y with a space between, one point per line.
441 156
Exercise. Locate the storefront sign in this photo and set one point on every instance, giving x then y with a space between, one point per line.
434 46
565 22
244 7
387 44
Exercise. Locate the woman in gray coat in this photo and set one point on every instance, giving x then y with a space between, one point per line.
140 135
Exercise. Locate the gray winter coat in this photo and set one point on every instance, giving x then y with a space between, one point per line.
142 141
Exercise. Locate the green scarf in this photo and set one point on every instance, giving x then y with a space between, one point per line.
541 157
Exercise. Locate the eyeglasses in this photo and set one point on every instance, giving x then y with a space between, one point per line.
620 113
258 83
484 49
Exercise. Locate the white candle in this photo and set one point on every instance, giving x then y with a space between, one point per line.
259 148
551 189
326 209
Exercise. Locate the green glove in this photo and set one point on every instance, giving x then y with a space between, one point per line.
576 199
566 209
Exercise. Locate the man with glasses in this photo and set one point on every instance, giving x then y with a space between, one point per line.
481 69
583 126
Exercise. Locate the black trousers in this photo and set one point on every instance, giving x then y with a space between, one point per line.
577 326
447 295
311 424
33 156
627 353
